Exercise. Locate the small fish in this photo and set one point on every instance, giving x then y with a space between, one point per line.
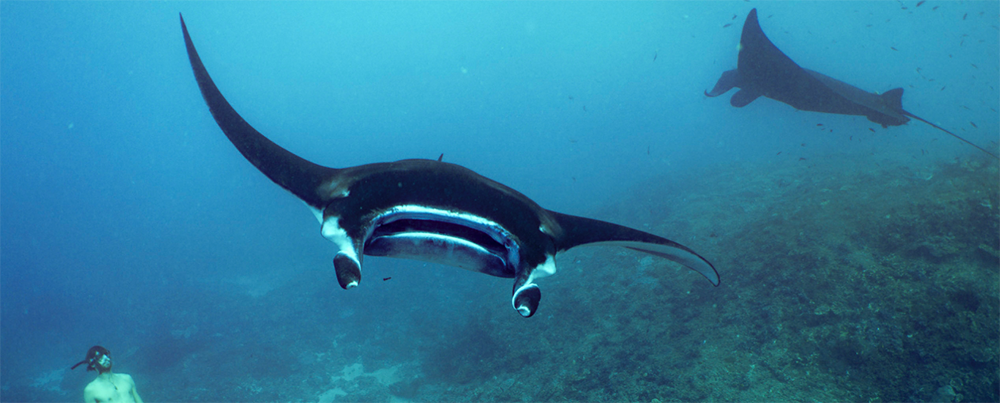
779 153
850 138
440 157
942 88
819 124
920 3
974 65
966 107
964 16
893 48
803 144
802 159
727 25
386 278
654 55
922 152
585 108
935 8
571 97
973 124
734 16
647 150
873 130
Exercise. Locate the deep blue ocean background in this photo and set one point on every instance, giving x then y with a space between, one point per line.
128 220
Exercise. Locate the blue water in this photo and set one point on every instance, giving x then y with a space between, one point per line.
129 221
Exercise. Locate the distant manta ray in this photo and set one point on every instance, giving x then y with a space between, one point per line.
763 70
431 211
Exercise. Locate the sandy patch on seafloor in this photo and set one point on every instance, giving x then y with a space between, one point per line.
384 376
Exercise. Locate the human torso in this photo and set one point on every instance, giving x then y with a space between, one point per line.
114 388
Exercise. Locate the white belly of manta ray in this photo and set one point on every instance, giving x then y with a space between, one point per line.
501 260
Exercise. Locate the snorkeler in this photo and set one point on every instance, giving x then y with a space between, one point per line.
108 387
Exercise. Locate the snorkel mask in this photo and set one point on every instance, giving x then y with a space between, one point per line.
104 362
98 359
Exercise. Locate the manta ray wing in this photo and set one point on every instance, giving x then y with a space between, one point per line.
288 170
582 231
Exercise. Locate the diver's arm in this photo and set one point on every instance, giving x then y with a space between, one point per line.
88 396
135 393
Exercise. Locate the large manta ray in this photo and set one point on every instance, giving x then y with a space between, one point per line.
430 210
763 70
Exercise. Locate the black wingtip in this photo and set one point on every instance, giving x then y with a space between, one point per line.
751 26
295 174
576 231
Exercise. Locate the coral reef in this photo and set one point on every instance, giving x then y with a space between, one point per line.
842 280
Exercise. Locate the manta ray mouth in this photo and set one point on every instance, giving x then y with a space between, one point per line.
443 229
445 239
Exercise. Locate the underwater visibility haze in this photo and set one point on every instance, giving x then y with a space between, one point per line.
858 262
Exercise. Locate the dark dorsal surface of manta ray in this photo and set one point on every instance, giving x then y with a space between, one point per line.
431 211
763 70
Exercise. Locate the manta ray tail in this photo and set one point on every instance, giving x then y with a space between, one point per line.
301 177
953 134
580 231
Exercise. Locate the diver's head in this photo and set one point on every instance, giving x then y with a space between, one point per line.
98 359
